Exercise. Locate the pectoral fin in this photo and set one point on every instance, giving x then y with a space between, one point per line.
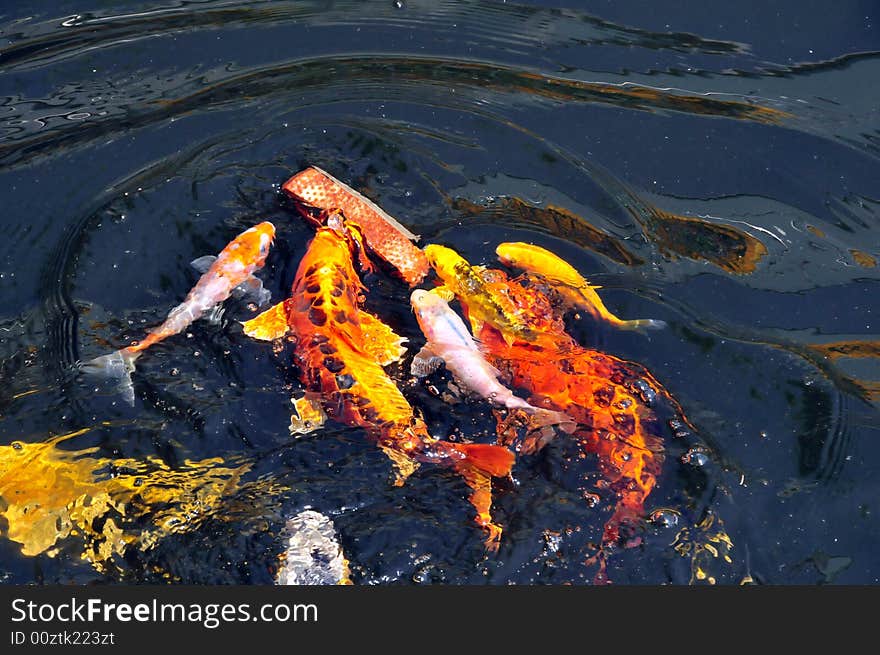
425 362
268 326
476 324
252 288
381 343
308 415
444 292
202 264
404 465
214 315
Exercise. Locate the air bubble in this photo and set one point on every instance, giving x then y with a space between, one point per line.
591 499
695 457
645 391
664 518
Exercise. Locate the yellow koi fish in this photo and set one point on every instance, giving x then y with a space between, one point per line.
484 303
573 288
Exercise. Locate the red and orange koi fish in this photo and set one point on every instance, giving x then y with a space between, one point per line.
230 271
340 351
384 235
602 393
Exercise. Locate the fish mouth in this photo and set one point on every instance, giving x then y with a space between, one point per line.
418 296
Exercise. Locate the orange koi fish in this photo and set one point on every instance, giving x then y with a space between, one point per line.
603 394
232 271
384 235
573 288
340 352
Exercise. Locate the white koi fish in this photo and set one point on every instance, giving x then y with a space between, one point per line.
450 343
232 271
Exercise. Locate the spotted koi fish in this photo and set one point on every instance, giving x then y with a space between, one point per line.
570 285
232 271
340 352
609 398
384 235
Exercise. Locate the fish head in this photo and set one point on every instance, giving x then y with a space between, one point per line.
251 247
425 303
444 261
511 254
431 310
528 257
326 277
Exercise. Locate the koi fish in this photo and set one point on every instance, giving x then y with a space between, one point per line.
312 555
384 235
573 288
450 342
484 304
232 271
340 352
609 398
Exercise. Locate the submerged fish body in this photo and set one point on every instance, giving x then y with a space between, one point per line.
340 350
230 271
384 235
485 302
565 279
312 555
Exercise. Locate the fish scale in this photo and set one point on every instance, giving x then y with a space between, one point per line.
384 235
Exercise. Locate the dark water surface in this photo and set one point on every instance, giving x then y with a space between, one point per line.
716 168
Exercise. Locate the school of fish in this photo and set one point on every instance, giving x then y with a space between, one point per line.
509 339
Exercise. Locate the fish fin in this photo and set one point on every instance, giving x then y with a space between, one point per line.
508 338
118 365
481 463
357 235
587 299
476 323
404 465
541 418
308 415
481 500
253 289
268 326
642 325
425 362
444 292
214 315
202 264
381 342
489 459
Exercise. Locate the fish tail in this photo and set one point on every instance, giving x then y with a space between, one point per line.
118 365
495 461
643 325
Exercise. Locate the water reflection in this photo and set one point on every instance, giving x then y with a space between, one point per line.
727 187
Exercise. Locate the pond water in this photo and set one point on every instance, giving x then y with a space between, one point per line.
715 167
